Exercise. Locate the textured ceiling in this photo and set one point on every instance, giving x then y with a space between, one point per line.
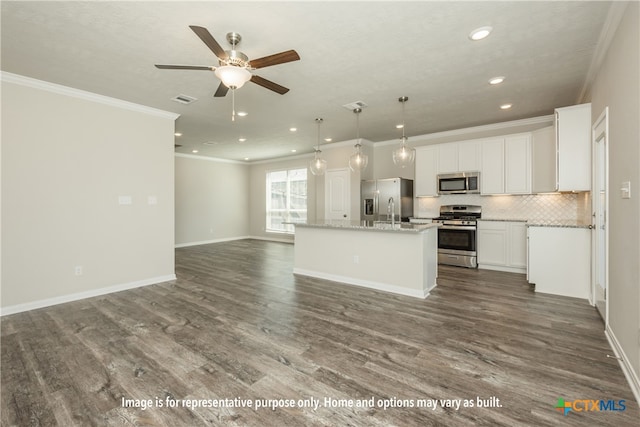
373 52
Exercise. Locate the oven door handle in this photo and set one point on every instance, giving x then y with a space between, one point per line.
458 227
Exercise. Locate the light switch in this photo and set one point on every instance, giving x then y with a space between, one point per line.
625 190
152 200
125 200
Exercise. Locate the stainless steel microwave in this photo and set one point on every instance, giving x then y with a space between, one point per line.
459 183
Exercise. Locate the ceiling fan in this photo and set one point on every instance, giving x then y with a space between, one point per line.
235 68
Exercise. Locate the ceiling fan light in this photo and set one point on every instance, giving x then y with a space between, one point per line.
233 77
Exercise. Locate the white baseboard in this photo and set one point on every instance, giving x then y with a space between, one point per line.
518 270
206 242
271 239
416 293
625 364
18 308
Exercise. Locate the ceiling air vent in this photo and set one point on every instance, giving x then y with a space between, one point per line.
353 105
184 99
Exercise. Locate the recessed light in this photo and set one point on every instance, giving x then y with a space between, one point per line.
496 80
328 139
242 139
480 33
293 129
177 134
293 151
400 126
242 113
506 106
194 151
246 158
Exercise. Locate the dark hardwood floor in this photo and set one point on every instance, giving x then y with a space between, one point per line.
237 325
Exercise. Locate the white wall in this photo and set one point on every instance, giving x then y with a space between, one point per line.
212 200
617 85
67 156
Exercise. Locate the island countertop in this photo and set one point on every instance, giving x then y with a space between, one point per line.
398 227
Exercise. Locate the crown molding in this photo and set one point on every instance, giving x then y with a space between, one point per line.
281 159
347 143
467 131
210 159
17 79
611 24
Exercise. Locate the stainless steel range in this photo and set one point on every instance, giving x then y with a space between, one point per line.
457 235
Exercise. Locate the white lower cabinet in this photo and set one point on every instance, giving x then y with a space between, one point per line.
560 260
502 245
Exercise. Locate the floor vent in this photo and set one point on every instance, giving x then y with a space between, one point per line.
184 99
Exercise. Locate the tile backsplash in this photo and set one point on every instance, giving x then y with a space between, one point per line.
548 207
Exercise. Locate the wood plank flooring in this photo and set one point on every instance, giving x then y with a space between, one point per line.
238 325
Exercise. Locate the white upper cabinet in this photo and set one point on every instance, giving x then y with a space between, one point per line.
459 157
517 164
506 165
448 158
561 154
469 156
573 146
492 173
543 160
426 171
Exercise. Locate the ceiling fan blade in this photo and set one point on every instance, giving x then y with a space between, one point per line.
222 90
269 84
276 58
184 67
208 39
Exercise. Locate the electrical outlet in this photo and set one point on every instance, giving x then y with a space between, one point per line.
356 259
78 270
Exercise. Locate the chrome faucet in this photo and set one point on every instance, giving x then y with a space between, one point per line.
391 211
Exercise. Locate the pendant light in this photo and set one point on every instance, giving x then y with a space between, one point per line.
404 155
318 165
358 160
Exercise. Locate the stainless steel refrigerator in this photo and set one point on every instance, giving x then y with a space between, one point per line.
377 195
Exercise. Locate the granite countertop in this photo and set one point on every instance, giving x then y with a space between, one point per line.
400 227
563 223
503 219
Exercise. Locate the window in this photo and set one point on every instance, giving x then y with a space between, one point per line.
286 199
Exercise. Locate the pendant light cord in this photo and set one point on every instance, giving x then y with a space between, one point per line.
319 121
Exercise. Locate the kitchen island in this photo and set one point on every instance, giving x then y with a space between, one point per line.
400 258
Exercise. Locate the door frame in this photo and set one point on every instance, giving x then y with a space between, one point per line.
603 120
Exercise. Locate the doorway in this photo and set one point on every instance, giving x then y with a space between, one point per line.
600 207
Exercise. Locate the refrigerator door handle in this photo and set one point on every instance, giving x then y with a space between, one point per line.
375 206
